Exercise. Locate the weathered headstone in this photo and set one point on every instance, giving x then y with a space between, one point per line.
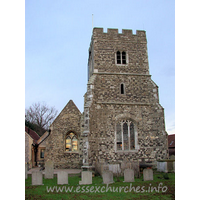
131 165
37 178
170 167
107 177
136 168
49 169
104 167
26 171
129 175
115 168
148 175
86 178
165 166
62 178
162 167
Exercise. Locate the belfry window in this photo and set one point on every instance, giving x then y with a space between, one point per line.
71 142
125 135
121 57
118 57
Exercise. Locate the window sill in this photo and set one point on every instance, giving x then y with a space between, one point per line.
122 64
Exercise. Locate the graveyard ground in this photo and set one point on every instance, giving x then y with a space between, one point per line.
142 189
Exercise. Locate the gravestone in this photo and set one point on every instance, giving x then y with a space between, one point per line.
129 175
49 169
148 175
136 168
170 167
104 167
162 167
86 178
165 166
62 178
26 171
131 165
107 177
37 178
115 168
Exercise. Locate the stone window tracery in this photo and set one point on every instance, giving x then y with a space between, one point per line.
125 136
71 143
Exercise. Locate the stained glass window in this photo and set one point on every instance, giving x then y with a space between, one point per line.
71 142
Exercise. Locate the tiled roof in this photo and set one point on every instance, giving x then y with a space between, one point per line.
171 141
33 134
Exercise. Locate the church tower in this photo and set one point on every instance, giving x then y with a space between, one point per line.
123 119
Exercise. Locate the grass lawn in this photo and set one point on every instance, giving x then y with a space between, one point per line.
117 190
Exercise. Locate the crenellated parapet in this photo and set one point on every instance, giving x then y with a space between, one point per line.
106 49
125 32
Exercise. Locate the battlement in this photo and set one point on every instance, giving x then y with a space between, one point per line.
114 52
113 31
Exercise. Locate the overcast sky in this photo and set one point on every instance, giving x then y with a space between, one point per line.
57 38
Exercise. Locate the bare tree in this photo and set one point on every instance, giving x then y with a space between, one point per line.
41 115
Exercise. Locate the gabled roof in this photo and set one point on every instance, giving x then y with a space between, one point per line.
171 141
72 108
32 134
69 109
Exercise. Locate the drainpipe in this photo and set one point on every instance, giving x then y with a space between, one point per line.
36 150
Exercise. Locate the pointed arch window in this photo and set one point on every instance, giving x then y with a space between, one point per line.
123 57
118 57
71 143
125 136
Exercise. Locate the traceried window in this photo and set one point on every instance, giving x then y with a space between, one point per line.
125 135
121 57
71 142
119 137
